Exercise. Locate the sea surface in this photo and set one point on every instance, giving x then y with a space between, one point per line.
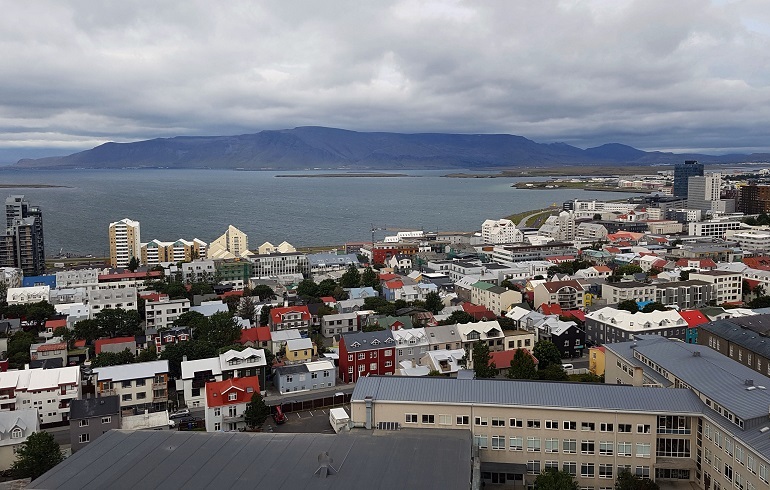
172 204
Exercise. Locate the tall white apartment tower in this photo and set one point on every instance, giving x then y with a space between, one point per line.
125 242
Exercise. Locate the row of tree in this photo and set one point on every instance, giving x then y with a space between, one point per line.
522 365
554 479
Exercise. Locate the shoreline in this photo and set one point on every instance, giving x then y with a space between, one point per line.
346 175
33 186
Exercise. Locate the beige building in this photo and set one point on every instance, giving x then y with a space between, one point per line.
569 295
495 298
125 242
616 292
156 252
140 386
729 285
233 244
269 248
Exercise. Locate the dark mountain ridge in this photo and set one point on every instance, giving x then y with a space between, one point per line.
319 147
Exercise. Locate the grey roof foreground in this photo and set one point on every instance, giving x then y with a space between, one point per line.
94 407
169 459
508 392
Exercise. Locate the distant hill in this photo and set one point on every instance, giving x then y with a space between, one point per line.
319 147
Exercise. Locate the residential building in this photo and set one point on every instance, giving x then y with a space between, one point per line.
15 428
11 276
269 248
290 317
226 402
140 386
609 325
754 199
596 360
163 313
231 364
125 242
591 231
509 254
500 231
169 336
495 298
411 345
615 292
321 263
704 193
682 174
53 353
685 294
92 417
337 324
33 294
101 299
156 252
232 244
560 227
278 264
299 351
728 284
366 353
444 337
49 390
740 339
756 241
116 344
446 362
22 245
198 271
73 278
120 280
488 332
713 228
305 377
569 295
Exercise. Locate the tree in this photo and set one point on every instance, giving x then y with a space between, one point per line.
458 317
104 359
369 278
327 287
62 332
380 305
628 305
628 269
522 366
597 216
761 302
481 365
654 306
193 349
434 372
684 275
256 411
133 264
264 315
117 322
553 372
40 312
148 354
553 479
220 330
87 330
307 289
628 481
263 291
546 354
18 348
351 278
38 454
758 290
199 289
191 319
232 302
433 302
247 308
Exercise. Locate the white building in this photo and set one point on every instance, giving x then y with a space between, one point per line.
50 391
198 271
500 231
715 228
32 294
196 373
143 385
752 240
86 278
729 285
560 227
15 428
163 313
100 299
704 193
226 402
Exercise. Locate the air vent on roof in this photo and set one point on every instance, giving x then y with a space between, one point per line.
325 465
696 353
749 382
764 429
388 426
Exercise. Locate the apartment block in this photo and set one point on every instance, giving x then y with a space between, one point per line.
125 242
741 339
156 252
163 313
140 386
50 391
616 292
101 299
22 243
729 285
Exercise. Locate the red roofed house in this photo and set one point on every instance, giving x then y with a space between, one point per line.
569 295
479 313
693 319
391 289
256 337
118 344
52 325
226 401
43 355
503 358
290 317
761 262
700 264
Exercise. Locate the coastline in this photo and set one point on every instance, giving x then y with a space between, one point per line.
346 175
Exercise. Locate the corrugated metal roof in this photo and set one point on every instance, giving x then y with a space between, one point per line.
527 393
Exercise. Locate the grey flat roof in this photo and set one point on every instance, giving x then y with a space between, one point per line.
751 332
508 392
95 407
191 460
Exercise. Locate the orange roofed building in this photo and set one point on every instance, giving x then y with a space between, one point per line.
226 401
290 317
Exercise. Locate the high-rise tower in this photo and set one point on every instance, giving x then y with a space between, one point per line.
682 174
22 244
125 242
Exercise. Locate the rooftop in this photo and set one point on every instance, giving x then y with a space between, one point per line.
140 370
94 407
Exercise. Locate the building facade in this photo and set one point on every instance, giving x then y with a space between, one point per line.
500 231
125 242
682 174
367 353
140 386
226 402
92 417
23 245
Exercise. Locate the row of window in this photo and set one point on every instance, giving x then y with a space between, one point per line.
750 463
567 446
587 470
84 422
567 425
372 355
372 367
735 451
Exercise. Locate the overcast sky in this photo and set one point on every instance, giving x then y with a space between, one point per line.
670 74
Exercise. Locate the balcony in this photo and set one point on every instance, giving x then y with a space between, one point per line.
109 392
232 418
159 386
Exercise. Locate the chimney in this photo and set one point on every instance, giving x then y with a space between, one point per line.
368 401
184 358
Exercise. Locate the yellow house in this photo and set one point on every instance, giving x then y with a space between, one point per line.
596 360
588 299
299 351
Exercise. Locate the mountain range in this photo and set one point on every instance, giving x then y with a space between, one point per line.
313 147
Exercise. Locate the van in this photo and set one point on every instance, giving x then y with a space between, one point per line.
567 367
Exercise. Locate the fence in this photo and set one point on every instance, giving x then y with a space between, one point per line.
312 403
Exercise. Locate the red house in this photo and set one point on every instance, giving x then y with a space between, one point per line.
365 353
289 317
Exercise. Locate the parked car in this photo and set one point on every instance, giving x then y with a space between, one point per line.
279 416
180 414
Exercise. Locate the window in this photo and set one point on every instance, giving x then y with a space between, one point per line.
605 471
498 422
350 369
533 424
83 438
480 441
676 448
480 421
498 442
232 397
217 426
570 467
361 356
586 447
548 465
445 420
411 418
624 427
643 429
17 433
388 363
587 470
516 444
587 426
127 398
106 420
642 450
373 366
606 448
569 446
126 384
567 425
217 412
763 473
83 423
350 357
624 449
533 444
728 472
643 471
428 419
516 423
552 445
463 420
533 467
552 424
604 427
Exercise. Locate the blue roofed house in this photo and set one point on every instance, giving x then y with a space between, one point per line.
362 293
47 280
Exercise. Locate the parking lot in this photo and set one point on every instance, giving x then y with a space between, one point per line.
310 421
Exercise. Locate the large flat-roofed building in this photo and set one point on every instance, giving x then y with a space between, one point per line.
197 460
754 199
682 174
125 242
741 339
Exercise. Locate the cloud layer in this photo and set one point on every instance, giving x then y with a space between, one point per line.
655 74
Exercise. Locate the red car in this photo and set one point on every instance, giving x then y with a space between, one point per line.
279 416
